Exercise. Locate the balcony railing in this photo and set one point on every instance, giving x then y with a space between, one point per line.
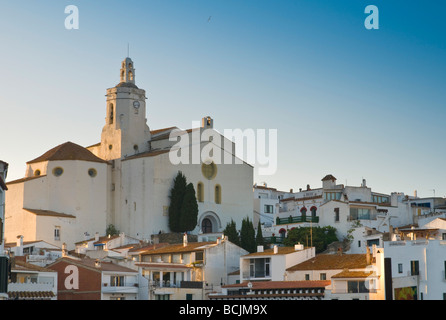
296 219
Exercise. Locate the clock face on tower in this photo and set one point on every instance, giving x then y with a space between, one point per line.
136 104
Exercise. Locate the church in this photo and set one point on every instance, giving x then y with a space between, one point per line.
71 192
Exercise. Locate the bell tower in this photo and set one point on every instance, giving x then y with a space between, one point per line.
125 132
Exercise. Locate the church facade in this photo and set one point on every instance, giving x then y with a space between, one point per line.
72 192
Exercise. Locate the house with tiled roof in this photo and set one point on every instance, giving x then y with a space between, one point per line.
352 276
93 279
31 282
188 270
271 264
63 196
273 290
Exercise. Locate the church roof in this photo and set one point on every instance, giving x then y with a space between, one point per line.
127 85
328 177
68 151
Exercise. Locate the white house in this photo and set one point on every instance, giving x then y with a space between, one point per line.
189 270
271 264
418 269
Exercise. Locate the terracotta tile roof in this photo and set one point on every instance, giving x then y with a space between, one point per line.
260 285
352 274
154 132
24 295
178 248
332 262
21 265
162 265
270 252
328 177
152 153
91 264
49 213
25 179
301 199
68 151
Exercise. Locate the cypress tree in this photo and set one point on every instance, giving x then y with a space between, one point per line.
247 236
259 237
231 232
176 201
189 210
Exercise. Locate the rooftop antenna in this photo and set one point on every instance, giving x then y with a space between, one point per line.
128 50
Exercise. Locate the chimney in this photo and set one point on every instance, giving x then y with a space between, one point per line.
364 183
184 239
298 247
415 194
97 263
276 249
367 255
259 248
64 250
19 245
291 190
308 187
340 251
96 236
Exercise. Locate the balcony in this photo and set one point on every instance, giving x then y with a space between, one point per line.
131 288
296 219
179 284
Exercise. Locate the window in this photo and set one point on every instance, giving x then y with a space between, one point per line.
260 268
336 211
209 170
92 172
360 214
189 296
323 276
357 287
313 211
162 296
200 193
380 199
117 281
332 196
37 173
57 233
58 171
307 276
445 269
443 236
414 268
199 256
218 194
400 268
111 115
303 211
206 226
269 208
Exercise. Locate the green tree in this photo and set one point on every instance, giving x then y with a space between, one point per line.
318 237
111 230
259 237
247 236
176 201
189 210
232 233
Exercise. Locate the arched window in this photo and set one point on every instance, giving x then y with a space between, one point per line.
303 211
206 225
200 192
218 194
282 232
130 76
313 211
111 114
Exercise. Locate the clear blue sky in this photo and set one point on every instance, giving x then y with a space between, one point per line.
345 100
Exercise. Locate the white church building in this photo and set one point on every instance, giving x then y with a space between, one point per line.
71 191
